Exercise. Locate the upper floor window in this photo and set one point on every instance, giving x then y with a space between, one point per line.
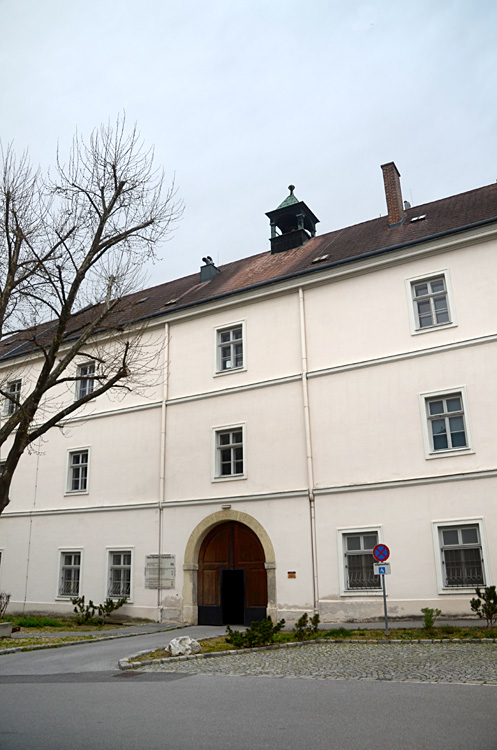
359 561
229 453
461 556
447 428
78 471
13 397
86 379
230 348
430 303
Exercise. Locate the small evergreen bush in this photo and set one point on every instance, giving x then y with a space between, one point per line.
430 615
258 633
85 613
485 605
306 627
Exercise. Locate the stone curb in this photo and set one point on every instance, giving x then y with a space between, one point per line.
129 663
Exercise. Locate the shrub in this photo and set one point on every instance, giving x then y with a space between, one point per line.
38 622
85 613
258 633
430 615
306 626
485 605
4 603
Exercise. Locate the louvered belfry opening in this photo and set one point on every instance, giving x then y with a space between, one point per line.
232 578
292 224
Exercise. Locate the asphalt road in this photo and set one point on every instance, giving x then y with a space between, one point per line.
76 699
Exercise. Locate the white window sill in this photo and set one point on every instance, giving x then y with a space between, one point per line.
451 452
76 492
66 598
429 329
230 478
363 593
230 371
460 590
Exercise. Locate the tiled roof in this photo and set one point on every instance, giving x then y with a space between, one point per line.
449 215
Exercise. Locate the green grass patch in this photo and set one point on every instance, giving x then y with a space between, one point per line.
40 622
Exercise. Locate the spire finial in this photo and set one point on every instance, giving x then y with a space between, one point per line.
291 189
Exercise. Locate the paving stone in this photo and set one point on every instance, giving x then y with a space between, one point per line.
422 662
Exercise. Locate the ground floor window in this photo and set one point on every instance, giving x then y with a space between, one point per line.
119 574
70 574
461 556
359 560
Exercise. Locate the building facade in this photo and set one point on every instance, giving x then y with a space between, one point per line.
306 404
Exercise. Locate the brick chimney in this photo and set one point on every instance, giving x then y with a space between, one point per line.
393 194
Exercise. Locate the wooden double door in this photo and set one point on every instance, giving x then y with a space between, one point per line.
232 578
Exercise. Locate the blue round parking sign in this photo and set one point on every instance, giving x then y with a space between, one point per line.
381 552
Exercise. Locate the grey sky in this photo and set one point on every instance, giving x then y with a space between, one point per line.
243 97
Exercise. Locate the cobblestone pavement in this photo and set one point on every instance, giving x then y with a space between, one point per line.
434 662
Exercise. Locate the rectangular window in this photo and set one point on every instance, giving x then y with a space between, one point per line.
78 471
430 302
229 453
119 574
86 382
446 425
230 354
12 398
461 556
70 573
359 561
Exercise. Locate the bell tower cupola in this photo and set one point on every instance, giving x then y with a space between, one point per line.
292 223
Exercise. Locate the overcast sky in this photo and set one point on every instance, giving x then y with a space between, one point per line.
243 97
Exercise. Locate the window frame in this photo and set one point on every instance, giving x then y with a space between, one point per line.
120 549
413 314
342 534
10 407
459 523
218 330
424 400
216 455
69 550
91 378
69 476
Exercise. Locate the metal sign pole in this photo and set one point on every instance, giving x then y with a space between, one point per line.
384 602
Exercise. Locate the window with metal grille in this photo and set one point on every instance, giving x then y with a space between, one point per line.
230 348
462 560
446 422
431 302
359 561
86 379
13 397
119 574
229 453
78 471
70 571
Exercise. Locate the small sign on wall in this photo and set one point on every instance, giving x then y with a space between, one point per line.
160 573
292 574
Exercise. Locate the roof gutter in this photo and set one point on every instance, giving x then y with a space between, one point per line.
334 264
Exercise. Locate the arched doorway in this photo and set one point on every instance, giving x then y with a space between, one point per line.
232 578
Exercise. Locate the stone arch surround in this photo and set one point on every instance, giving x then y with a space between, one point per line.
190 566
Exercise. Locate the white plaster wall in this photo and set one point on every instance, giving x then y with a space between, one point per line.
37 551
367 423
367 317
123 468
271 348
405 516
274 453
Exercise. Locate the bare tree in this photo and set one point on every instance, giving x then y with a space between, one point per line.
73 247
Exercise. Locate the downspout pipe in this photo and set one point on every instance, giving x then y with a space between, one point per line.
162 467
309 458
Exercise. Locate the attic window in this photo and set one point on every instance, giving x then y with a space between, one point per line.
143 299
321 259
171 302
418 218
